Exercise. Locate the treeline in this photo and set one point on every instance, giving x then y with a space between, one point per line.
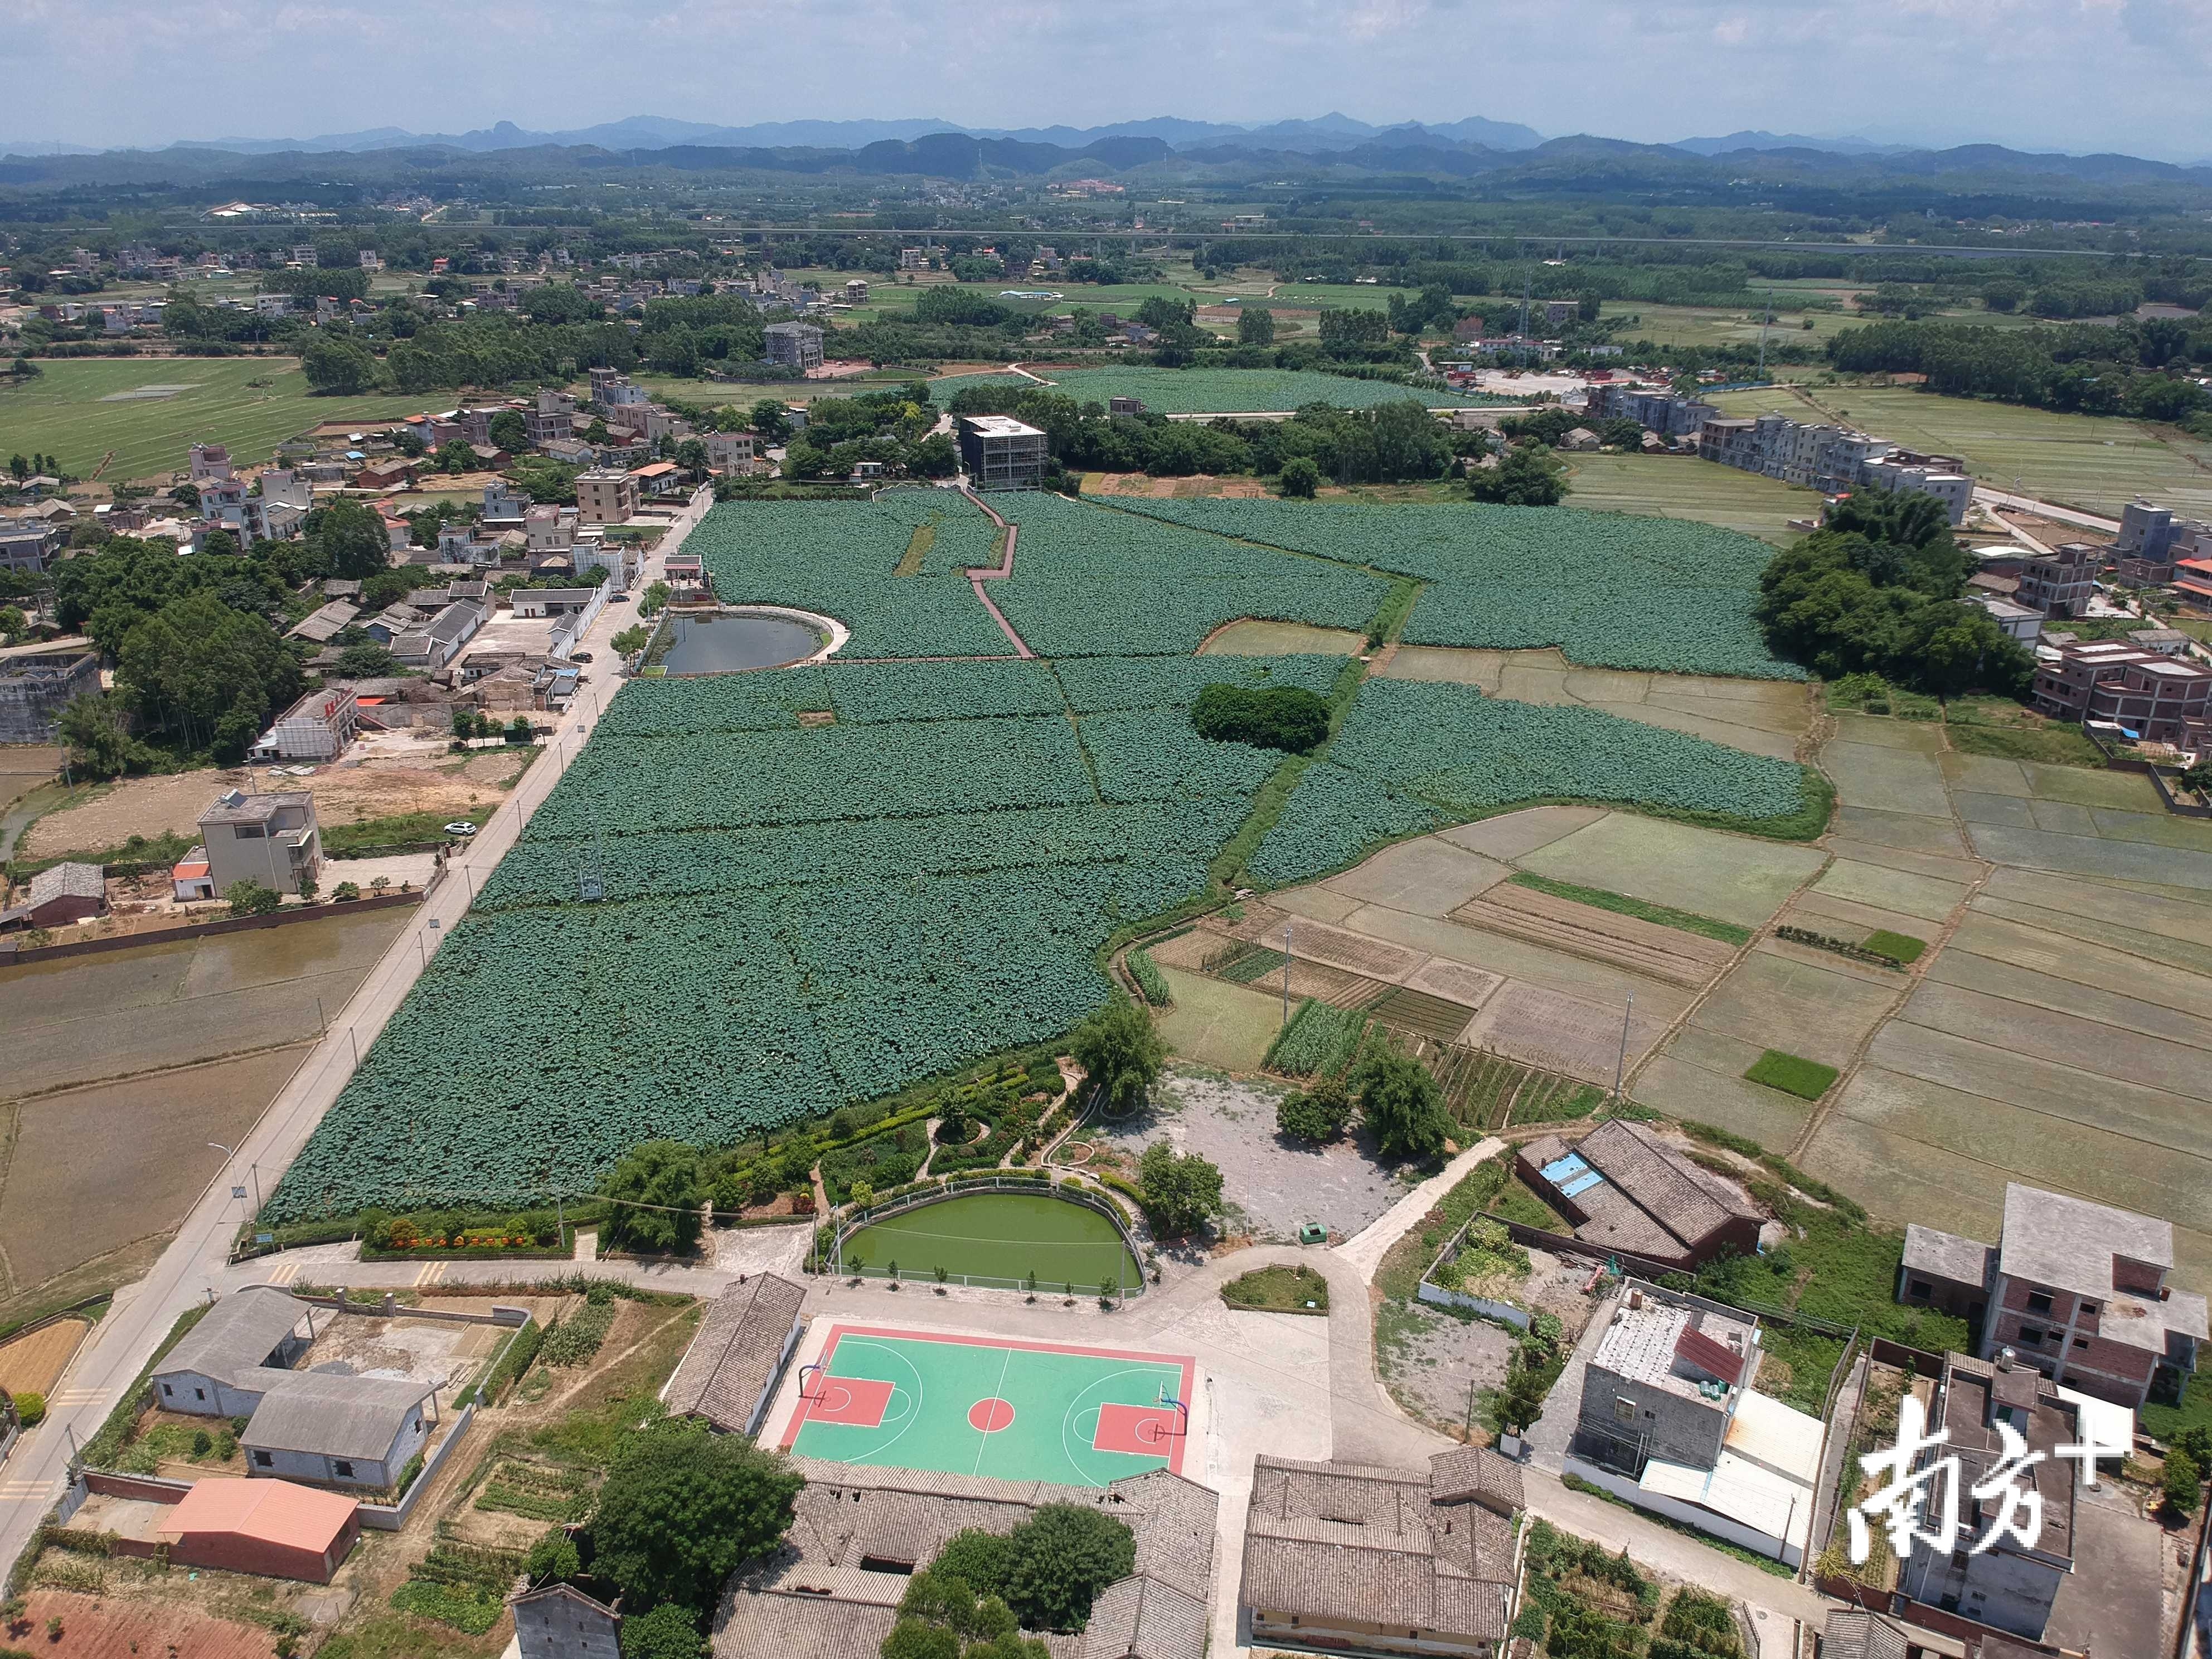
2136 367
1394 442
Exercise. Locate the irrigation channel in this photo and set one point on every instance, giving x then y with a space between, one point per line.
1035 1240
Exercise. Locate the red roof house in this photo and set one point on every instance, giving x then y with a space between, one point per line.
271 1527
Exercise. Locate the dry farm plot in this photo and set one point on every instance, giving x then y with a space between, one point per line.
33 1363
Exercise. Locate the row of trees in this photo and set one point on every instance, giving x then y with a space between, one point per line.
2138 368
1398 1099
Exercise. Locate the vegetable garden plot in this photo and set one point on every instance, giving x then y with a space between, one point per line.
1608 590
1090 581
1413 755
838 557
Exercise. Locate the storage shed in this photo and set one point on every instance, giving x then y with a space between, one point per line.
268 1527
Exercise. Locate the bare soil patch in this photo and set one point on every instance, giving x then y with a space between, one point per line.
34 1362
106 1627
343 794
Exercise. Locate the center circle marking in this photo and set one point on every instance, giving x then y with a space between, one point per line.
989 1416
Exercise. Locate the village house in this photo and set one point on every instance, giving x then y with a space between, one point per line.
2078 1290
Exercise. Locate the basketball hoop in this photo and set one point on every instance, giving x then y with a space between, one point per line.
819 1372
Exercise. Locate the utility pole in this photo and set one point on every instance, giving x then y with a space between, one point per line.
1620 1061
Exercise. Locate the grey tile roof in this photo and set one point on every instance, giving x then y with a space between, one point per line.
237 1335
847 1514
1946 1255
1855 1633
1475 1474
67 881
1662 1183
335 1416
1354 1541
1144 1618
730 1363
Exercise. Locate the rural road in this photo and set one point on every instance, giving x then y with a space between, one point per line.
1996 498
194 1264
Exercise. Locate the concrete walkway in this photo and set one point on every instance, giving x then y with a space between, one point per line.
1365 1249
194 1262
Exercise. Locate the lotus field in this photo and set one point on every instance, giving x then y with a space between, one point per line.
1607 590
1415 755
820 885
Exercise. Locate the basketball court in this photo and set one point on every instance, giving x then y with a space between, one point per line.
991 1405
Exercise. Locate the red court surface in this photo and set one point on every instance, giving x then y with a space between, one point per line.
1146 1431
855 1400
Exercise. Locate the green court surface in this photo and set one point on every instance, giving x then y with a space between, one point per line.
1000 1238
1015 1411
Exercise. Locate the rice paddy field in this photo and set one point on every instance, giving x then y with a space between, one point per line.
2098 463
142 415
1678 487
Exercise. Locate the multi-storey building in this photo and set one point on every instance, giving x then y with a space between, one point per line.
2077 1290
2145 692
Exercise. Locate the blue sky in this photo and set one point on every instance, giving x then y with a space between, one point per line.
2075 75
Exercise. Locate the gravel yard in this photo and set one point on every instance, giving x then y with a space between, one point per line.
1272 1185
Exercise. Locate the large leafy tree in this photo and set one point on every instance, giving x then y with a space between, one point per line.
94 729
659 1188
1402 1105
682 1510
1121 1052
1529 476
1181 1191
206 671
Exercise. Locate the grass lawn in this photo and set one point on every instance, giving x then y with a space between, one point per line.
2096 461
1710 325
1806 1079
1278 1290
2195 1411
80 409
2055 744
1683 487
1519 1202
1642 909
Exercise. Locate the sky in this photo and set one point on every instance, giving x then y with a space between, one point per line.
2071 74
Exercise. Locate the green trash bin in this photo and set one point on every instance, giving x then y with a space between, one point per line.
1312 1232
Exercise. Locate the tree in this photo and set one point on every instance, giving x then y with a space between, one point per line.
219 544
338 368
92 726
669 1631
630 639
554 1556
665 1175
367 660
1402 1105
13 622
352 538
1318 1115
1180 1192
1063 1556
2185 1479
770 422
454 456
1300 478
1121 1052
1529 475
510 431
1255 326
251 898
683 1509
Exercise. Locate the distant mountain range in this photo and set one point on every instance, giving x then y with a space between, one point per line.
1330 133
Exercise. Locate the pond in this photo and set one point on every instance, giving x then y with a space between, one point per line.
732 641
1001 1238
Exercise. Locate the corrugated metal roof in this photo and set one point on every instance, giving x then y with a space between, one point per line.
335 1416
